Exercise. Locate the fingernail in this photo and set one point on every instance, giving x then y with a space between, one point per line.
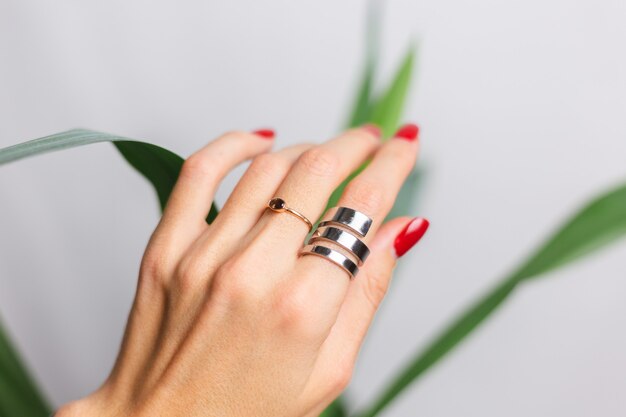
265 133
372 128
407 132
410 235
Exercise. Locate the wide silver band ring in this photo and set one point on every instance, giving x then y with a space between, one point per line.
332 255
349 218
279 206
344 239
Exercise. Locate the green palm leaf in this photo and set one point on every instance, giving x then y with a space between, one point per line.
362 107
19 395
600 223
388 109
158 165
386 112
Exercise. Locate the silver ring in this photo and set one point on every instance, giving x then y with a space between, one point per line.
344 239
332 255
354 220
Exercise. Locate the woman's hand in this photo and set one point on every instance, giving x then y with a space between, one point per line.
228 320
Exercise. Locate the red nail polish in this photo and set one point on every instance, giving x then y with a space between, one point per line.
373 129
408 132
410 235
265 133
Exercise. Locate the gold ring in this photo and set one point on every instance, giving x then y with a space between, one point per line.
278 205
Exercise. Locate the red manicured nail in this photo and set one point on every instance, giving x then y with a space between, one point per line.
410 235
265 133
407 132
372 128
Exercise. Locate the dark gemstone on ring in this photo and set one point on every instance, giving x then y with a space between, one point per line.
277 204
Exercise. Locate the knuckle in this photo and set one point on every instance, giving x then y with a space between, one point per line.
269 165
155 268
199 165
295 313
320 161
188 277
290 310
152 263
234 286
366 195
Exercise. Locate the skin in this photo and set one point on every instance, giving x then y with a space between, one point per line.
227 319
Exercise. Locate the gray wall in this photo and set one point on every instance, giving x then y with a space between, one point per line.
522 107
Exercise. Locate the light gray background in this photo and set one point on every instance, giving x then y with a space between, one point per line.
522 106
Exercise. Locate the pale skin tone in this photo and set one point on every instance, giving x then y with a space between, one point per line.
228 320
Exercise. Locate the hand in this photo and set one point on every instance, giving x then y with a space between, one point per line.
228 320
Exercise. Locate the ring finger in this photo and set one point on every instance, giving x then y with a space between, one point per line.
306 189
246 203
